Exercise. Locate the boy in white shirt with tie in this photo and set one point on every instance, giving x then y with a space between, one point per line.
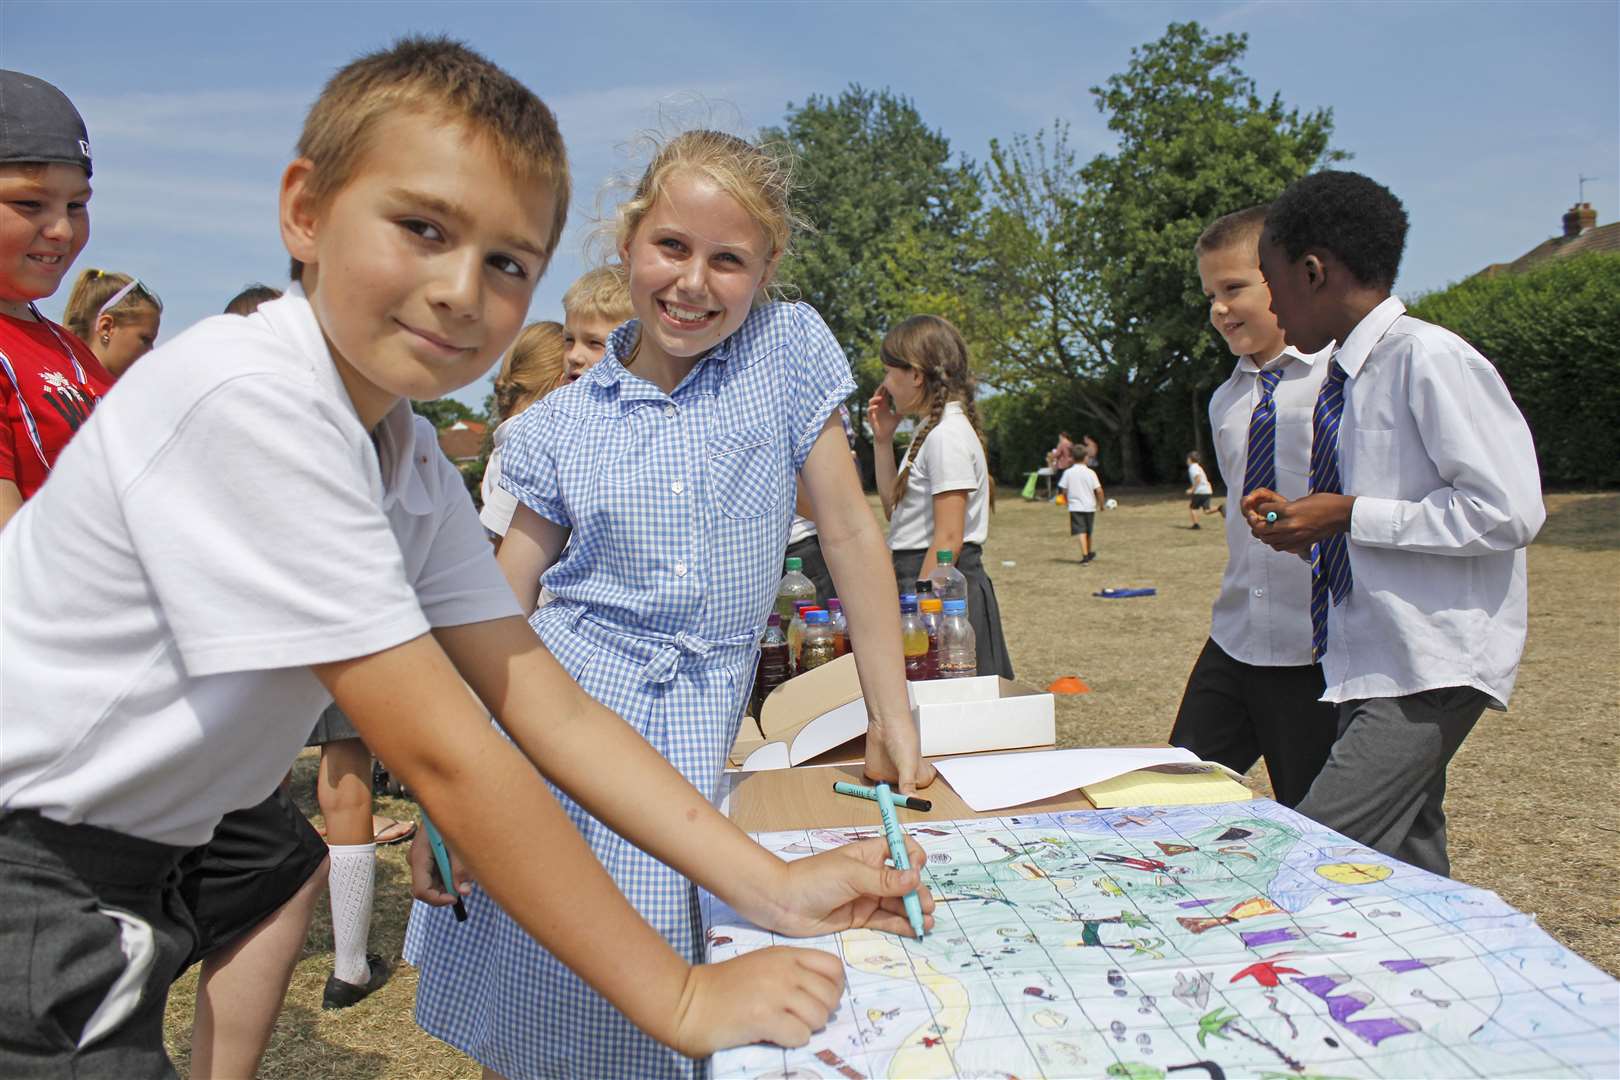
1254 689
1424 495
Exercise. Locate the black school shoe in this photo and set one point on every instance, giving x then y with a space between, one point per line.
340 994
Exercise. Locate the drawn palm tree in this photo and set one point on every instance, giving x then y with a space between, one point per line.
1219 1021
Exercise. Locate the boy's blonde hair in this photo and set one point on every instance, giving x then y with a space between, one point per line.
532 368
445 80
760 178
1230 230
602 293
94 288
932 346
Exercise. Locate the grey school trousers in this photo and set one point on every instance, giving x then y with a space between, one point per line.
1385 779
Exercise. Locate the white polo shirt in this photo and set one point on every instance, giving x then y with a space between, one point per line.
1079 486
222 523
1262 615
951 459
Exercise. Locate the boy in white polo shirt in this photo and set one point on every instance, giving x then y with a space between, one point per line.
1424 493
1084 493
1254 689
273 529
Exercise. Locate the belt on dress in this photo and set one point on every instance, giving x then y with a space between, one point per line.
664 652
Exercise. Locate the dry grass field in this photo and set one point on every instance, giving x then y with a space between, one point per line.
1533 793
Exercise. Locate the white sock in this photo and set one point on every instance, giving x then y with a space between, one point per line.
352 879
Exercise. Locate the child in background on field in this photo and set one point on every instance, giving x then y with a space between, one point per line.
1198 488
116 315
146 701
534 367
1254 689
1084 493
594 305
941 500
669 471
1424 493
50 380
248 300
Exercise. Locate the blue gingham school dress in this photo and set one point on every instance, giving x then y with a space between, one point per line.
679 505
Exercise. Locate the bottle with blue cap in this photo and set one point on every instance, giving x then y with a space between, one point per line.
958 652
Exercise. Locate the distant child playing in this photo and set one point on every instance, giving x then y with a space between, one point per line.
1083 492
1255 687
1424 493
1199 489
669 471
147 700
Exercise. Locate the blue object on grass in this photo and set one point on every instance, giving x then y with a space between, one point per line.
1120 594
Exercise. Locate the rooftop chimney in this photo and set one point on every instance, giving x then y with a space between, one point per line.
1578 219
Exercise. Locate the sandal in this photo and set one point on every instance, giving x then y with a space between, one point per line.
390 831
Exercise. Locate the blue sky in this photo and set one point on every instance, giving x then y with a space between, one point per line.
1480 116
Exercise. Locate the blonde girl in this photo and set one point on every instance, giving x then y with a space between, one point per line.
672 466
533 367
116 315
940 499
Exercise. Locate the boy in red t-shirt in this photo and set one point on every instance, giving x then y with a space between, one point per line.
49 379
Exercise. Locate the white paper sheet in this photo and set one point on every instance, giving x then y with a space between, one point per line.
996 781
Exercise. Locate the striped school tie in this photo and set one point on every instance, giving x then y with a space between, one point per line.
1330 558
1260 469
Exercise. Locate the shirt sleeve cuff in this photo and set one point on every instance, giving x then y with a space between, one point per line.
1373 521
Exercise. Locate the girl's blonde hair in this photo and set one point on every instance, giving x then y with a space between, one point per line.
93 289
760 178
532 368
932 346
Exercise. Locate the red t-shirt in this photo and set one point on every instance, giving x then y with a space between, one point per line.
38 382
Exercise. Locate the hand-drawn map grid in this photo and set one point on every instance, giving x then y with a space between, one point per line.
1230 940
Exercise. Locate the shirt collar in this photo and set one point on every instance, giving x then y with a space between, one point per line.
395 437
1246 363
610 370
1367 333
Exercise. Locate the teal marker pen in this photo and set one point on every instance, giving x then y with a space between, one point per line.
1271 517
897 852
441 858
910 802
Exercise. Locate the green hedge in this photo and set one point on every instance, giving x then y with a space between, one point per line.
1554 334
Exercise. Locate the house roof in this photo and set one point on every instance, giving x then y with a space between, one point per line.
1597 238
463 440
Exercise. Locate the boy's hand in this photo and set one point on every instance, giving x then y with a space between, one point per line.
849 887
1300 523
777 995
881 415
894 756
425 883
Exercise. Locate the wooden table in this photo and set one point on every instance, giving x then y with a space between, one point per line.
803 798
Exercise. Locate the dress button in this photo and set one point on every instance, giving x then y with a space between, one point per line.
1259 593
669 410
680 569
677 487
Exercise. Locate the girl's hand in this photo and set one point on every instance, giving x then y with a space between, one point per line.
849 887
425 883
881 415
777 995
894 755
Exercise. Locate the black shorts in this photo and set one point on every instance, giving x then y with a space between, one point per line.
1200 502
1080 521
332 726
259 857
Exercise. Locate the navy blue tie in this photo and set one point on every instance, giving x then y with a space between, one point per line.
1330 558
1260 468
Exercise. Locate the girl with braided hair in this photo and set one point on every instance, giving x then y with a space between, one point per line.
940 499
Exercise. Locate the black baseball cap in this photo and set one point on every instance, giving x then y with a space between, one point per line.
38 124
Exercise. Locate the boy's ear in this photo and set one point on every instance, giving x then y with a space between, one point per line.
298 211
1315 271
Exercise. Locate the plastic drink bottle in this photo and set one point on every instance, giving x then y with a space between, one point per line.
819 647
795 586
773 668
958 654
914 639
840 625
795 633
931 612
949 584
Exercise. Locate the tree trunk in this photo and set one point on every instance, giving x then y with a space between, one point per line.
1130 457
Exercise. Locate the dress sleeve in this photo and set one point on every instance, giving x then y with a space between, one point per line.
259 527
529 462
818 380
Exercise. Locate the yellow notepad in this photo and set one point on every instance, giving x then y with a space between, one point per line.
1168 785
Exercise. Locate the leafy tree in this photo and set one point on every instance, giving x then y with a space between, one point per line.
1116 313
890 211
444 411
1550 332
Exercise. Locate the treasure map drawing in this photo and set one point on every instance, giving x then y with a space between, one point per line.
1210 941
